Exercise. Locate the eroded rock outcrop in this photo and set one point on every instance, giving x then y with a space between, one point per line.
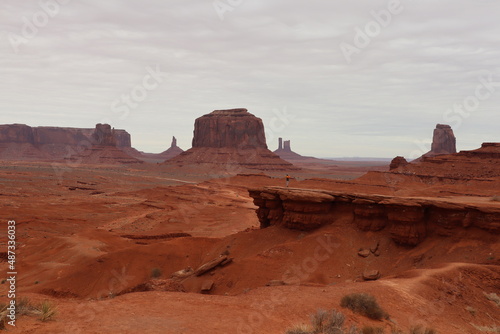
408 220
103 135
397 162
443 141
481 163
230 141
23 142
102 149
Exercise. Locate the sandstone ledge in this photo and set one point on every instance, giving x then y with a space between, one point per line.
408 219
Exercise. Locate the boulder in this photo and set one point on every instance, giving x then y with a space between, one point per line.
371 275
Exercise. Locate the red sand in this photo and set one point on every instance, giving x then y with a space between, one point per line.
74 228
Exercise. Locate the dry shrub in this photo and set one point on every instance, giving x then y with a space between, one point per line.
47 310
364 304
372 330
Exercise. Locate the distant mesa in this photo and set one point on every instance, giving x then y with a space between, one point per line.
230 141
232 128
23 142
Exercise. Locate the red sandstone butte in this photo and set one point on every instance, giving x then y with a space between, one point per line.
230 141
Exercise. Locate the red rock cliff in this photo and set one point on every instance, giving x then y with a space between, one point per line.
408 220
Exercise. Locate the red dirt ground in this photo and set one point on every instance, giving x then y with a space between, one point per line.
89 235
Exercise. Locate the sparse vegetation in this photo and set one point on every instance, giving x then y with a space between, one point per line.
324 322
299 329
495 198
471 310
24 306
492 329
493 297
372 330
364 304
47 310
3 315
155 272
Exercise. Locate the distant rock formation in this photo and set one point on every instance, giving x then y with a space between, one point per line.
103 135
398 162
285 152
443 141
232 128
230 141
23 142
103 149
286 146
173 150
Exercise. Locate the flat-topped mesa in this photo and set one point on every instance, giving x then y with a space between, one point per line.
232 128
443 140
230 141
103 135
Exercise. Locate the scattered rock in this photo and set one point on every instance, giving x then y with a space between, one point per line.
183 273
364 252
374 247
207 286
223 260
275 283
371 275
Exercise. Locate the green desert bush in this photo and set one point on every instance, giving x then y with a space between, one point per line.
364 304
495 198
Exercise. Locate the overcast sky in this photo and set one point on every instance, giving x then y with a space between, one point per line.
337 78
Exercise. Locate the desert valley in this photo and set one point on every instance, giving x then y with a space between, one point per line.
213 239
